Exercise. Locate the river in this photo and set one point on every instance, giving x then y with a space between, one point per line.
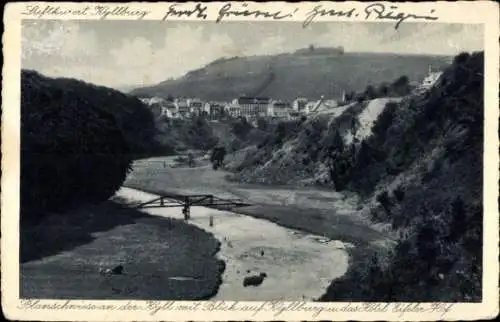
298 265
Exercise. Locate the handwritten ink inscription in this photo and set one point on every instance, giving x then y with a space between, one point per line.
321 12
378 11
198 11
101 11
276 308
375 11
227 11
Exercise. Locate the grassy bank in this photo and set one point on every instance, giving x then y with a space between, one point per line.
61 257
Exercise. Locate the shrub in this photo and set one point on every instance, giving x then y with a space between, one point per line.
262 124
370 92
384 200
241 128
399 193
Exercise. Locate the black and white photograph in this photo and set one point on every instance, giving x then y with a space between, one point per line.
188 160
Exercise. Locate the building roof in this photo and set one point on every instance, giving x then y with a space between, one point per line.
253 100
281 104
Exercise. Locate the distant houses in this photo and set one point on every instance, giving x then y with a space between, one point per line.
248 107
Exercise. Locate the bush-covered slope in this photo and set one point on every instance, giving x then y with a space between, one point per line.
77 141
419 170
295 151
181 134
288 76
424 165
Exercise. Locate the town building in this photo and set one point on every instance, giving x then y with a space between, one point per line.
196 106
280 109
430 79
183 108
299 105
152 100
234 109
215 110
170 109
253 107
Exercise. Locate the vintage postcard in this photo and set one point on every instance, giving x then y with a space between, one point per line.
250 161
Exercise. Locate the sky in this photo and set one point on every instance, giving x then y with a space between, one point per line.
135 53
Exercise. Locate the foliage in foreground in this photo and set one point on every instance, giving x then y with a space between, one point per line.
77 142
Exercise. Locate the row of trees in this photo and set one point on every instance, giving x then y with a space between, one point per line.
400 87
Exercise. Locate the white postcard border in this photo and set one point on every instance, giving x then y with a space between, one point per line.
482 12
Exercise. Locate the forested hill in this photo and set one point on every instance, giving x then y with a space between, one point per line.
287 76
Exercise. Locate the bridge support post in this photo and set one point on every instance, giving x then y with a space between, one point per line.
185 209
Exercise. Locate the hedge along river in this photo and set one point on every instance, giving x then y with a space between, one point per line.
298 265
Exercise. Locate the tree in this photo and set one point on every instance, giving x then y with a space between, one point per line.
383 90
370 92
241 127
217 157
461 58
401 86
262 124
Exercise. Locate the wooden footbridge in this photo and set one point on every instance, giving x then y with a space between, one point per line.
186 201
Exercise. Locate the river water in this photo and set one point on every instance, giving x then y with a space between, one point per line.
298 265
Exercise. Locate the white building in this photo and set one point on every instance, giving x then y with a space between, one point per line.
299 105
152 100
196 106
234 109
183 108
429 81
254 107
170 109
279 109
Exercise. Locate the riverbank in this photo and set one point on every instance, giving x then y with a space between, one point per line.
163 258
321 212
251 246
317 211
